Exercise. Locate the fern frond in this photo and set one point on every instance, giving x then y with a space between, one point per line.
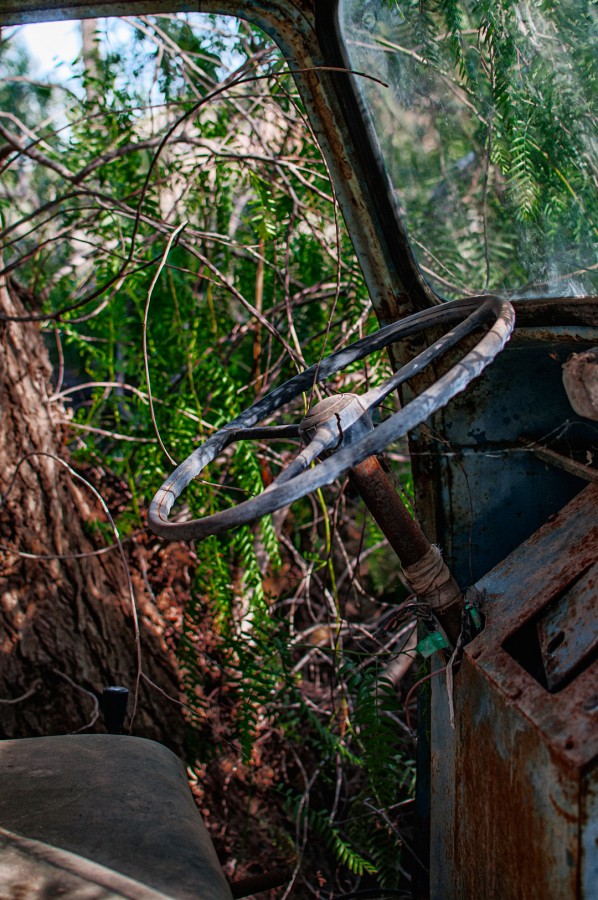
522 176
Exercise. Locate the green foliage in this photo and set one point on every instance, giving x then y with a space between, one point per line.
321 826
374 707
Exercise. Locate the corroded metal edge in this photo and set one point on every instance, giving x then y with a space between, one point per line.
513 784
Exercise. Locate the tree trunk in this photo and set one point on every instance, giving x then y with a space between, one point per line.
90 54
66 625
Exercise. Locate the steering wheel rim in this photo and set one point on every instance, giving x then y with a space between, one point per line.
302 479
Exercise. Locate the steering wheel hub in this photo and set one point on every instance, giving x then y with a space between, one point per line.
344 412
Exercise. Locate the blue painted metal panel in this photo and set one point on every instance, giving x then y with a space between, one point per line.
493 491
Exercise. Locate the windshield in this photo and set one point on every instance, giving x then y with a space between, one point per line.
486 121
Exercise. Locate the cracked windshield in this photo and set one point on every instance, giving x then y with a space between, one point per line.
485 113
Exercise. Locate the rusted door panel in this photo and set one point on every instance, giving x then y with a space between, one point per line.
522 823
589 833
516 827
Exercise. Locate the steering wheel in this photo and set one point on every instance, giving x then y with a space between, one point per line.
342 426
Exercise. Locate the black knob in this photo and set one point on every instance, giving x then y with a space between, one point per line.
114 705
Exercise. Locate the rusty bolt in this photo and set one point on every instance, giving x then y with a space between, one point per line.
580 377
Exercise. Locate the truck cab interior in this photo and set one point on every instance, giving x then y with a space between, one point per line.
433 138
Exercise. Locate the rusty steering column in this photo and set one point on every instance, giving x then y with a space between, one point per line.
422 562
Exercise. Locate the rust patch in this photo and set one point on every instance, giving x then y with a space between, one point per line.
526 758
513 837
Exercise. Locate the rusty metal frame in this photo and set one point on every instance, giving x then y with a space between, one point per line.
512 807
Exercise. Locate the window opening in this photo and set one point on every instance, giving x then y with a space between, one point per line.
562 639
488 131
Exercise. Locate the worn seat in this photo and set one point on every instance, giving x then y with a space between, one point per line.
101 816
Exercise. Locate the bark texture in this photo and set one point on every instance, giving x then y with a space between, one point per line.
62 619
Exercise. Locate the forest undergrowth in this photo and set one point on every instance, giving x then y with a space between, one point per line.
299 756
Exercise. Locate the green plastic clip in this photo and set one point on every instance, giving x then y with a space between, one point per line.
432 643
474 615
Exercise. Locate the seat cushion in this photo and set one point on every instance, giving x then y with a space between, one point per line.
37 871
121 802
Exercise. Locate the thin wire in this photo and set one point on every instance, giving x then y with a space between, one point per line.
171 240
78 687
14 700
49 556
414 688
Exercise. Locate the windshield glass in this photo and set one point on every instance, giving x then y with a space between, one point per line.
487 125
